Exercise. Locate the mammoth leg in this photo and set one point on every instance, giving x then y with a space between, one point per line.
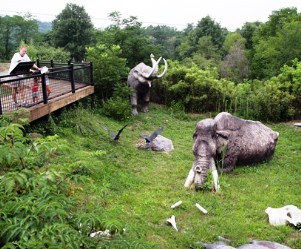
134 103
146 102
228 164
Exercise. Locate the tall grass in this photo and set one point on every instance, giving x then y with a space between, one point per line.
135 188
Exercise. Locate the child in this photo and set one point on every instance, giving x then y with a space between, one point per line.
35 90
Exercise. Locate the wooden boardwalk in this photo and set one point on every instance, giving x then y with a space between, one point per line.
60 96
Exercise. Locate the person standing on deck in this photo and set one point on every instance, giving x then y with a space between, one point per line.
18 85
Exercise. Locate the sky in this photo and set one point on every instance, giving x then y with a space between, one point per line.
230 14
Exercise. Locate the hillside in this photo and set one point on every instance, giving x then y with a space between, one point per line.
130 190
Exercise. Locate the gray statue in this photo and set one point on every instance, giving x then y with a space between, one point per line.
231 140
140 79
255 244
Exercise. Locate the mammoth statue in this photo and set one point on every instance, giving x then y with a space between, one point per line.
140 79
232 140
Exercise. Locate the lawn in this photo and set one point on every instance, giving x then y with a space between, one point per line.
134 188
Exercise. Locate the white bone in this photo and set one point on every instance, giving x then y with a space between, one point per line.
189 179
172 221
176 204
282 216
199 207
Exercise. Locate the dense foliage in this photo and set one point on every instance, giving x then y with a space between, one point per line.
252 71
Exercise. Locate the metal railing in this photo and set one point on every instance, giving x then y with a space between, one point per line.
18 91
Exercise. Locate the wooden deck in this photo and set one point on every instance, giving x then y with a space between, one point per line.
60 96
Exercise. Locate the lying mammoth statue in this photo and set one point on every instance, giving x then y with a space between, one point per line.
231 139
140 79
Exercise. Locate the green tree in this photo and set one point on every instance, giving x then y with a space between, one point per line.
46 52
13 30
247 32
208 27
196 39
109 68
166 38
129 35
276 43
73 30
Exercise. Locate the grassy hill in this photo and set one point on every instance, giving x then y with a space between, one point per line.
133 189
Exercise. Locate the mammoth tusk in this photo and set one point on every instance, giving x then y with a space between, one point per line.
154 66
215 180
165 69
189 179
172 221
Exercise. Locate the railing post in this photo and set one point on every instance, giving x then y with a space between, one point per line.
45 97
71 77
91 74
38 63
51 64
1 107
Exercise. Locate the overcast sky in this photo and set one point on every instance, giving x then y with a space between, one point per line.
230 14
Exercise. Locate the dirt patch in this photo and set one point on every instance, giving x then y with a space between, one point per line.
4 66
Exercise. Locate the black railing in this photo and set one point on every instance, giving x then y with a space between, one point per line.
18 91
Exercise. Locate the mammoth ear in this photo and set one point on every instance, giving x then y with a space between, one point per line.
139 76
223 134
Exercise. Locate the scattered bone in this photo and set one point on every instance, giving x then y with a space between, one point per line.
289 214
172 221
199 207
176 204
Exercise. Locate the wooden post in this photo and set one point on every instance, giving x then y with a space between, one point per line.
45 97
91 74
1 107
71 77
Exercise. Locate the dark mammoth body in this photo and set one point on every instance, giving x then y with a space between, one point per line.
140 79
231 139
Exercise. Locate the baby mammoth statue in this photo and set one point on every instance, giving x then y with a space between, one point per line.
140 79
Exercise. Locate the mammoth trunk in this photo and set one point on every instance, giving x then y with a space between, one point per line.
198 173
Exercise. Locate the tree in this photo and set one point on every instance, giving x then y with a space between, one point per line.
276 43
109 68
166 38
73 30
208 27
128 34
247 32
194 38
235 66
15 29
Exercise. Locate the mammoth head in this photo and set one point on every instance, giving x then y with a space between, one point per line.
145 74
204 150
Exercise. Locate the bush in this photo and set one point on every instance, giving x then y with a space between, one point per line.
117 108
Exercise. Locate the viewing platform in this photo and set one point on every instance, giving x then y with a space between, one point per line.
68 83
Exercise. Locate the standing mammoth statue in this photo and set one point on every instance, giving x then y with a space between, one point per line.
232 140
140 79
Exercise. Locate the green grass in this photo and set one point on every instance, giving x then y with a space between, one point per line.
135 188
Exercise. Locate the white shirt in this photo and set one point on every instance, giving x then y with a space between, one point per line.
17 58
